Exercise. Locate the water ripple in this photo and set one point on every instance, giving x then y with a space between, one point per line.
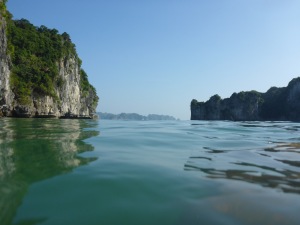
266 155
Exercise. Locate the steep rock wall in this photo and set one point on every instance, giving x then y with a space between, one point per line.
293 101
6 95
69 100
275 104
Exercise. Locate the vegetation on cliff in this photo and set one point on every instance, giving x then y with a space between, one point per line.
3 10
276 104
35 54
86 87
2 6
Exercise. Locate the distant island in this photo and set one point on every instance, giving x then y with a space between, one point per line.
133 116
40 72
277 104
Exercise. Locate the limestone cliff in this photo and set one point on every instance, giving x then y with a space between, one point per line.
275 104
40 73
6 95
71 102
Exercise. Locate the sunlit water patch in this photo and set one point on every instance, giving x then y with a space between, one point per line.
149 172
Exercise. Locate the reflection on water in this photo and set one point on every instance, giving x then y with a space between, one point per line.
276 166
149 172
35 149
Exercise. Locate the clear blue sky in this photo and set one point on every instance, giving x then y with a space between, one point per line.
155 56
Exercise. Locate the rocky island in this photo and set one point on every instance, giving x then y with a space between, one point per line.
133 116
40 72
277 104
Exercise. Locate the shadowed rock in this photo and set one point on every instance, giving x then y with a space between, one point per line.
277 104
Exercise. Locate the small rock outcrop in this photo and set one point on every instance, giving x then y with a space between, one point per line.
40 73
277 104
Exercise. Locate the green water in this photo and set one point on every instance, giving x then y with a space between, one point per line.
121 172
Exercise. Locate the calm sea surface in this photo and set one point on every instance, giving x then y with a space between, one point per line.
89 172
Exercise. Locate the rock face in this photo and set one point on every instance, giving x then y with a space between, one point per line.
69 99
6 95
275 105
72 102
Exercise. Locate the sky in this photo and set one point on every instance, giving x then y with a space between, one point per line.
155 56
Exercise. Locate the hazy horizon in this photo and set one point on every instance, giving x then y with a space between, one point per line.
154 57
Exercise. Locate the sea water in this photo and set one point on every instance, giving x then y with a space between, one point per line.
95 172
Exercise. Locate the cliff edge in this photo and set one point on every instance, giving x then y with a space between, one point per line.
277 104
40 72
